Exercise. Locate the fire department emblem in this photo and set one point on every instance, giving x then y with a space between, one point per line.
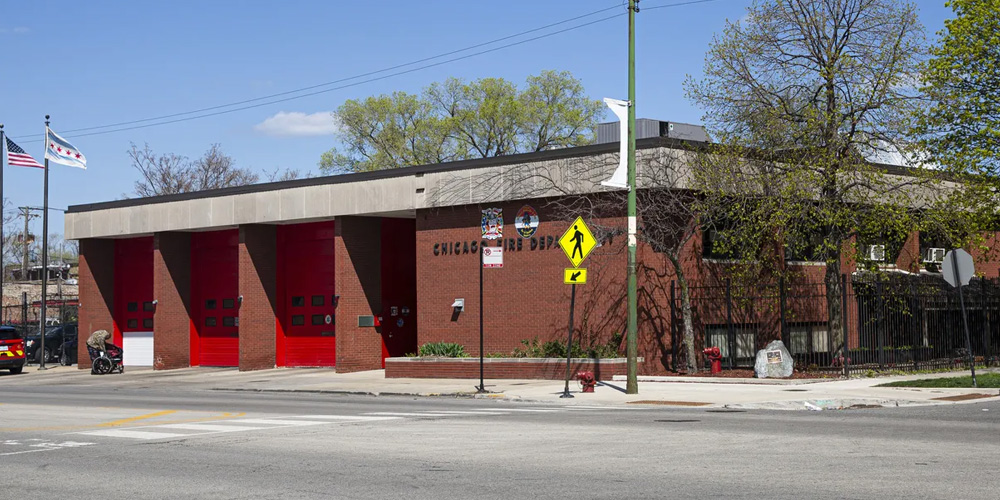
493 223
526 222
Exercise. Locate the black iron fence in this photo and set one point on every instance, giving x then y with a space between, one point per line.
886 321
26 315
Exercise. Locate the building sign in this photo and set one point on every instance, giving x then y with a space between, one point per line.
526 222
509 244
492 223
492 257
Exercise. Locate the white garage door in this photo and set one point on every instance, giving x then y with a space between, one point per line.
138 347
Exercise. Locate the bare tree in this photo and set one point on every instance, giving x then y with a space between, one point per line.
279 175
806 98
172 174
670 217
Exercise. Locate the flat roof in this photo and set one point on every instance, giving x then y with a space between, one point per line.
416 170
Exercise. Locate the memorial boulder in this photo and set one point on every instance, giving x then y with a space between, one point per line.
774 361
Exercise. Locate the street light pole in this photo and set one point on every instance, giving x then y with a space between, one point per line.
632 385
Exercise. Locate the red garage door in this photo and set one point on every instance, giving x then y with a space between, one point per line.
133 287
214 305
307 300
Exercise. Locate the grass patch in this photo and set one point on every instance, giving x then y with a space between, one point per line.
985 381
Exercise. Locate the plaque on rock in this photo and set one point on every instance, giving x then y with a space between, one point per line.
774 361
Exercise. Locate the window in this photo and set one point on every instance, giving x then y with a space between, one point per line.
211 321
808 338
210 304
229 321
148 306
718 336
317 319
228 303
9 334
806 247
298 301
298 320
132 307
132 323
317 300
712 240
147 323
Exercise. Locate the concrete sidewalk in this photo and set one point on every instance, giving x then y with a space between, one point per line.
670 391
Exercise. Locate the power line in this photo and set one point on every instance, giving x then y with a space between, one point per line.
177 116
341 80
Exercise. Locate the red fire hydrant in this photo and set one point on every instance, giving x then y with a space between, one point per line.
715 356
587 381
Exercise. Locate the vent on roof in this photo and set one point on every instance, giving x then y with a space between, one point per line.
646 128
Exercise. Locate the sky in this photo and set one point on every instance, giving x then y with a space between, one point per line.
102 62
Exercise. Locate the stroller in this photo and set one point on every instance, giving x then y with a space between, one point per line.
103 363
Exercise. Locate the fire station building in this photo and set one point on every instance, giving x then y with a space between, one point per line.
346 270
350 269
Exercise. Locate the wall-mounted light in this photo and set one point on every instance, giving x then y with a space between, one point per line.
239 300
458 305
155 302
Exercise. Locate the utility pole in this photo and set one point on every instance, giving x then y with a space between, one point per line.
26 213
632 384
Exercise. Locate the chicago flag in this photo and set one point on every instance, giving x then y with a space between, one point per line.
60 151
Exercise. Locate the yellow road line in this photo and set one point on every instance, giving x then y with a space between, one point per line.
124 421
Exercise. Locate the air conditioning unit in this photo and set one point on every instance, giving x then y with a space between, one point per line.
876 253
935 255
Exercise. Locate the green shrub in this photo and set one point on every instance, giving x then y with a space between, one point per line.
535 348
443 349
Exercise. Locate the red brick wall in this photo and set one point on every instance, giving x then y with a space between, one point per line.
172 291
544 369
358 268
97 285
258 311
527 297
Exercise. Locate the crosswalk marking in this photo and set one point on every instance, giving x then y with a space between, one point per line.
384 416
404 414
172 430
274 421
210 427
132 434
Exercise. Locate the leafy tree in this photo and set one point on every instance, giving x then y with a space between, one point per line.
171 173
455 120
961 124
804 99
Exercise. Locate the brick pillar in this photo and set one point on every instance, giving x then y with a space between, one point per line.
258 287
358 256
97 287
172 291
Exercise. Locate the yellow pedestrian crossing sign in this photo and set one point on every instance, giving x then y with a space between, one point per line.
575 276
577 242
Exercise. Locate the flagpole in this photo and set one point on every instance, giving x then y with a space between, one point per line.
45 251
3 206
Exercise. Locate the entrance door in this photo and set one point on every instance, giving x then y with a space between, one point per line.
309 301
399 287
215 308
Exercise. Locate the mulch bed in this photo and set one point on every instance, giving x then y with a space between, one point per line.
750 374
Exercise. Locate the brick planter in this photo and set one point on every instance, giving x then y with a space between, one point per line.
508 368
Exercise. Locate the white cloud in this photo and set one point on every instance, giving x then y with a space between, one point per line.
17 30
298 124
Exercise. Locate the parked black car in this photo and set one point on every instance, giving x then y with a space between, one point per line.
54 337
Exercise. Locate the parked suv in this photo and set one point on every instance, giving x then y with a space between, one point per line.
54 336
11 349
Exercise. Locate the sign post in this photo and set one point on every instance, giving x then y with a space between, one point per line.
958 270
489 258
577 242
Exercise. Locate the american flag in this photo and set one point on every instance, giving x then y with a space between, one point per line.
17 157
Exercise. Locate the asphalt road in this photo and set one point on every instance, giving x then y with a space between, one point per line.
93 442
